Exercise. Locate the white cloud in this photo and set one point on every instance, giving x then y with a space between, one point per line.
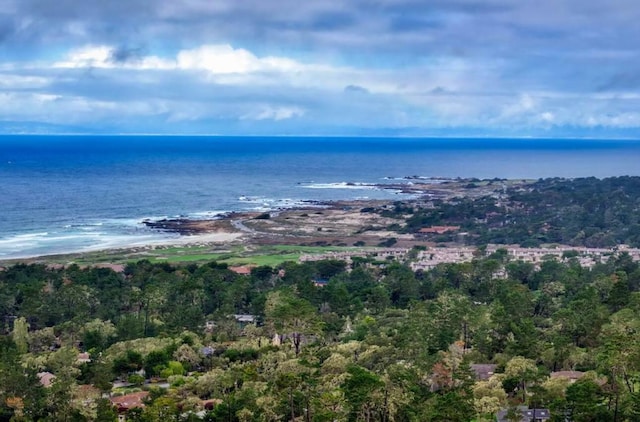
87 56
52 108
621 120
276 113
547 117
223 83
17 82
524 105
224 64
218 59
224 59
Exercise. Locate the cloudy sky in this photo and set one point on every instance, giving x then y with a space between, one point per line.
322 67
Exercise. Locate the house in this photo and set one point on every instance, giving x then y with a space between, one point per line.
320 282
46 378
242 269
438 229
483 371
572 376
118 268
244 319
526 414
127 402
84 357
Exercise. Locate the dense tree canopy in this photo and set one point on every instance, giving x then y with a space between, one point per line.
581 212
374 341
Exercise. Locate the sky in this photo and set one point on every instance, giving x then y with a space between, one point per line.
522 68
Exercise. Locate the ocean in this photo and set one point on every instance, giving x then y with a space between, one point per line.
62 194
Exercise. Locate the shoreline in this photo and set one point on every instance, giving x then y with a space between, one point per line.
193 240
246 228
312 223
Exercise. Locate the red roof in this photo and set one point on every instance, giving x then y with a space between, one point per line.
46 378
210 404
118 268
439 229
242 270
129 401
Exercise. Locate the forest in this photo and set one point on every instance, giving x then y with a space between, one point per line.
587 212
322 341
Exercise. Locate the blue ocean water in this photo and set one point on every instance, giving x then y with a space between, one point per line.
74 193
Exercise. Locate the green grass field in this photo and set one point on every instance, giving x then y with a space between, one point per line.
271 255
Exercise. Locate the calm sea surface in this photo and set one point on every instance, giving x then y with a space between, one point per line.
74 193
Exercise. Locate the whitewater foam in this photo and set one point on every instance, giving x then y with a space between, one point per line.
342 185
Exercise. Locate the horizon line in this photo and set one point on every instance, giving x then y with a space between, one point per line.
216 135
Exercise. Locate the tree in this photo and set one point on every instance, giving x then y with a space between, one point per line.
60 406
582 317
293 316
155 362
98 335
289 383
436 324
358 390
450 407
337 296
105 412
329 267
523 370
402 284
21 394
329 406
489 397
619 355
187 294
131 361
584 399
187 356
162 409
41 340
20 334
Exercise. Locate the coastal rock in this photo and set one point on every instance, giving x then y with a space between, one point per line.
184 226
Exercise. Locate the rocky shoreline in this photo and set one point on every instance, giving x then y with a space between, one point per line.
420 188
183 226
189 227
